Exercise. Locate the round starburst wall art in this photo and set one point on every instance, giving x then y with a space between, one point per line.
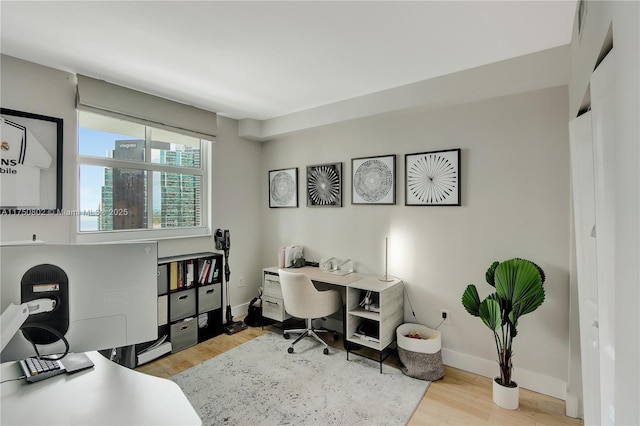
324 185
433 178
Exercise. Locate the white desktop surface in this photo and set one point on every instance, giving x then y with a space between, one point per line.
107 394
356 280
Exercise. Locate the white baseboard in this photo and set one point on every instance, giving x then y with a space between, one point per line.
526 379
237 311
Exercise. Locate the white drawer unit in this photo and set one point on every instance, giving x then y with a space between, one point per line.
272 301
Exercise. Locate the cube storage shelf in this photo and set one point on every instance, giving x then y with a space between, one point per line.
189 303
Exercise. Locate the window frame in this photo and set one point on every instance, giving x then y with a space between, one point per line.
204 172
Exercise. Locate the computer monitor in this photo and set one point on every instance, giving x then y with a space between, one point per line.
106 294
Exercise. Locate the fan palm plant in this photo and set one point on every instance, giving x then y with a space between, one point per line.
519 290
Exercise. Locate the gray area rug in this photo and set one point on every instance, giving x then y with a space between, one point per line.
259 383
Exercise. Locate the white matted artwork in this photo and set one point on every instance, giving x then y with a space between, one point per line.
433 178
31 172
324 185
373 180
283 188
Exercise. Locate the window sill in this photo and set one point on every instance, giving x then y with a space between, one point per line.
141 234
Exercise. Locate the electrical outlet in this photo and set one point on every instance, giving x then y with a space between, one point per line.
241 282
446 317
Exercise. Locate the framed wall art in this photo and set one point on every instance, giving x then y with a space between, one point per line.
30 163
373 180
324 185
433 178
283 188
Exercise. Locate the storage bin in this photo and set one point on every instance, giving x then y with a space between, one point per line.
209 297
182 304
420 358
183 334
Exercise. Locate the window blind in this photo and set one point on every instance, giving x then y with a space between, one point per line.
120 102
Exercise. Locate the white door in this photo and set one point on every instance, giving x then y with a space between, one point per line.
584 211
603 108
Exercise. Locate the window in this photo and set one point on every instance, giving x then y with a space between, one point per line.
143 180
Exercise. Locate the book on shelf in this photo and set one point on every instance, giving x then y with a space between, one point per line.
203 265
205 272
189 282
173 276
180 275
212 271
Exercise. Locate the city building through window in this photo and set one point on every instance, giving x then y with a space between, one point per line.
134 177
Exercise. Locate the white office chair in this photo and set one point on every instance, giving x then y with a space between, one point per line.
303 300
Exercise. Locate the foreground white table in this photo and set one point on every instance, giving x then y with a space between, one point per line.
107 394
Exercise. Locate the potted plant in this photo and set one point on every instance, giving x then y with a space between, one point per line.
519 290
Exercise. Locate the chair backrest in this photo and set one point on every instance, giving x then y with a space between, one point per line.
302 299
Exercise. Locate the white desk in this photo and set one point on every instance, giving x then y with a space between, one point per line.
388 295
107 394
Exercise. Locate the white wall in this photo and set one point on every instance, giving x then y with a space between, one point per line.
515 203
33 88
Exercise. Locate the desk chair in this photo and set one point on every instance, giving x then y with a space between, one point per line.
303 300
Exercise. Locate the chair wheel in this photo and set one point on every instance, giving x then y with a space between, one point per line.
290 350
336 337
326 351
286 336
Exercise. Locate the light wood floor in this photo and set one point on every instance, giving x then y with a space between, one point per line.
460 398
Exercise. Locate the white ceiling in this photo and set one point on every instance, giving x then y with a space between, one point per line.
266 59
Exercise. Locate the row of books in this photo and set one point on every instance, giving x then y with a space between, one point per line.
208 271
182 274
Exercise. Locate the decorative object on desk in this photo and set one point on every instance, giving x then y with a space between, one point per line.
31 155
519 290
298 262
336 267
281 256
291 254
283 188
324 185
432 178
386 277
374 180
259 383
419 351
329 265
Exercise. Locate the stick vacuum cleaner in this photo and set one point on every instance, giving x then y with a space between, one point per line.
222 240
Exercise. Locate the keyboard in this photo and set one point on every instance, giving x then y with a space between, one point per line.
39 369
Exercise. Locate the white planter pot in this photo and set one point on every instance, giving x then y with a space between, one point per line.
508 398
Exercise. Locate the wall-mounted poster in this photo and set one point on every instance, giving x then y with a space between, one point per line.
433 178
373 180
283 188
324 185
30 163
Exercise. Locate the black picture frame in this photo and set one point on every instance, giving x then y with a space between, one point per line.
324 185
283 188
433 178
373 180
48 134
